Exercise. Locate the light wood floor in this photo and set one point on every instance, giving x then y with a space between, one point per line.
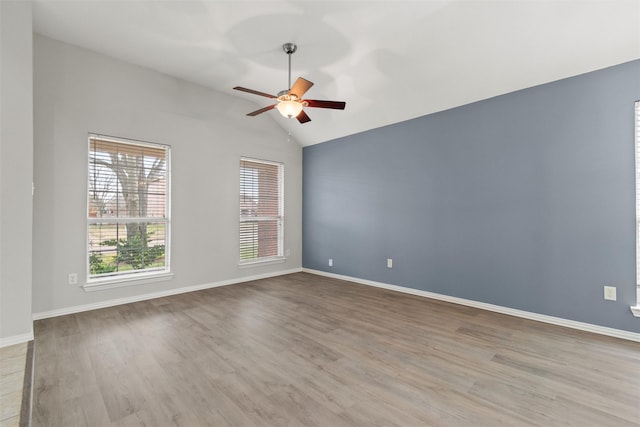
305 350
12 370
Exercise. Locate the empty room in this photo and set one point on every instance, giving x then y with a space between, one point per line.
320 213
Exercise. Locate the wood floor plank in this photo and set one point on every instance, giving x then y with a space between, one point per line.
306 350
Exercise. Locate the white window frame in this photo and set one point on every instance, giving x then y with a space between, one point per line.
636 309
243 218
132 277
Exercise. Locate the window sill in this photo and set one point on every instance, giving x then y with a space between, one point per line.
635 310
118 282
261 262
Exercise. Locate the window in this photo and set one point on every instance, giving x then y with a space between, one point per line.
128 209
636 309
261 210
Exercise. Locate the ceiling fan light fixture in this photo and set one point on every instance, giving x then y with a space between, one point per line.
289 108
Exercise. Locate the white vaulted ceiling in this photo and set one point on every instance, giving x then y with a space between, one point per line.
389 60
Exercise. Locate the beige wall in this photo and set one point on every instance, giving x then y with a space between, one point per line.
16 171
77 92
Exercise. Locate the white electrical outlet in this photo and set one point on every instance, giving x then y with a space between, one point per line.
73 278
610 293
389 263
287 252
330 262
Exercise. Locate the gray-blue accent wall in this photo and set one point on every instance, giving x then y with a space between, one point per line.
525 200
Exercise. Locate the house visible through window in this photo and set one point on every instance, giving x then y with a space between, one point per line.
128 209
261 210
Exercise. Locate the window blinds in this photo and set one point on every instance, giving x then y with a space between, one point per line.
261 209
127 180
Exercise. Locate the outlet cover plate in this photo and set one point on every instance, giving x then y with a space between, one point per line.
73 278
610 293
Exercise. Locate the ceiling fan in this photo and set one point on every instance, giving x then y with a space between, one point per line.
290 103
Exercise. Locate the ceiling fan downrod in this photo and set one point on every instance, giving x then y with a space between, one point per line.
289 49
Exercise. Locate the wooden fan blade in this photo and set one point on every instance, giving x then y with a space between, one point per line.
302 117
262 110
255 92
336 105
300 87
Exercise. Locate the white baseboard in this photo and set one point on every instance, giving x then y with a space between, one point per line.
16 339
144 297
602 330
